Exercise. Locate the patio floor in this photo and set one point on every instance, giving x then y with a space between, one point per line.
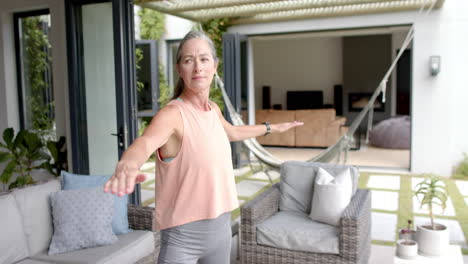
386 186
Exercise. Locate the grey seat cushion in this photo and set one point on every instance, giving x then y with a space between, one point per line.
129 249
296 231
13 244
34 206
297 183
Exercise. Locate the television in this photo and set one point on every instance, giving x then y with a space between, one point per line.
296 100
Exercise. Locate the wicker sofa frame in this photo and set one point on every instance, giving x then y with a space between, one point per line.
142 218
354 239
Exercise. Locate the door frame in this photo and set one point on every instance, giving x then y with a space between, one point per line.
124 58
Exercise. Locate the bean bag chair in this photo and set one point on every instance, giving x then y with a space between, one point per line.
393 133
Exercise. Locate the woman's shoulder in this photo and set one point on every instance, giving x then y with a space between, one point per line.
169 109
215 106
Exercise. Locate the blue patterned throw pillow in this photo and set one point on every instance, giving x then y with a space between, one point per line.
82 219
76 181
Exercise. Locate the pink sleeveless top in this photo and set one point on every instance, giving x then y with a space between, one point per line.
199 182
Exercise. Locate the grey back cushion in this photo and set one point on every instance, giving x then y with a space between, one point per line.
34 206
13 244
297 183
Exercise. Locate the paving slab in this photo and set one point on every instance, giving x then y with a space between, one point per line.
462 186
455 232
149 176
147 165
248 188
263 176
383 226
437 210
381 254
241 171
391 182
385 200
147 194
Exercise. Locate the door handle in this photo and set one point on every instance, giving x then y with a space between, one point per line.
120 137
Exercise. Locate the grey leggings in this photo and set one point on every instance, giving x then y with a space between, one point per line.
204 242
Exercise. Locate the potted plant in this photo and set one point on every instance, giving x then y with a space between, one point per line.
433 238
23 154
406 247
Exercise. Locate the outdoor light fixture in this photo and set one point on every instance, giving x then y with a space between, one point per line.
434 65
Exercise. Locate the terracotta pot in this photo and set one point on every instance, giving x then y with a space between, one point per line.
407 249
432 242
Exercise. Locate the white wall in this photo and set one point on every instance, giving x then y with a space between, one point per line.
9 114
9 111
439 128
285 66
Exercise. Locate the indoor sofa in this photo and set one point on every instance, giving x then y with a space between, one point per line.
322 128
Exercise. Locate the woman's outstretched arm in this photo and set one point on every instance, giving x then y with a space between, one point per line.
238 133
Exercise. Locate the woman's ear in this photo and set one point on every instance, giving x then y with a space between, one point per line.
177 68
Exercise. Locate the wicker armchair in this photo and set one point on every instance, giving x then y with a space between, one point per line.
354 238
142 218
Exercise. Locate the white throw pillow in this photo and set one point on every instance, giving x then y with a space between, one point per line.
331 196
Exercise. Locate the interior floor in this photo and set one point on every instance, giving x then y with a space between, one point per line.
365 156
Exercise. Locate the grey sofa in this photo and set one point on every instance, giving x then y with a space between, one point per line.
26 230
270 235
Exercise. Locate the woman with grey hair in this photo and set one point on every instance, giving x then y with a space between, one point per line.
195 187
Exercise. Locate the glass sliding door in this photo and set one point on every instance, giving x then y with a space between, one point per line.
101 77
99 87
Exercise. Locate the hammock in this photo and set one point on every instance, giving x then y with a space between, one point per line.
342 146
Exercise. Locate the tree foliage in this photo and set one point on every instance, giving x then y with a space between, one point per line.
36 62
215 28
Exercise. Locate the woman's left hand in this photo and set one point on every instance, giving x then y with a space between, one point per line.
283 127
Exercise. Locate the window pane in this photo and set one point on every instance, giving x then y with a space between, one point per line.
35 82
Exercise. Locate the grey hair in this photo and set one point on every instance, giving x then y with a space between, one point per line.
191 35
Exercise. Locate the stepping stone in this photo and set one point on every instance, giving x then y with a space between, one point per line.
147 165
241 202
249 188
391 182
381 254
437 210
384 200
263 176
146 194
455 231
416 180
149 176
383 226
463 187
241 171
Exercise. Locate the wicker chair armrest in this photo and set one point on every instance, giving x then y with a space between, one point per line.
355 225
141 217
258 209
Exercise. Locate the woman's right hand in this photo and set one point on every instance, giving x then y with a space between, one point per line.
124 179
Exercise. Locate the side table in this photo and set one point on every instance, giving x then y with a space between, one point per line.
453 256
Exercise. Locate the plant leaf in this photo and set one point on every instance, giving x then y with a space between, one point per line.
4 156
6 174
8 136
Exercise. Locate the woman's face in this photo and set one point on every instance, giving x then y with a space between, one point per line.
196 66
